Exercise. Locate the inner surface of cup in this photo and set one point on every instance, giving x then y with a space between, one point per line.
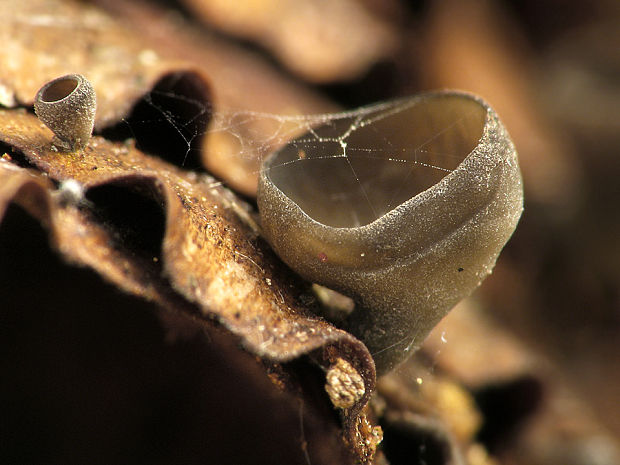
354 169
59 89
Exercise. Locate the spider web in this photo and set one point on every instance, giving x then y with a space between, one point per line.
352 138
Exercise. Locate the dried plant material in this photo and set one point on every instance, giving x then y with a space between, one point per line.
79 239
478 455
580 81
253 116
511 377
321 40
124 67
368 437
120 67
473 394
413 389
209 255
566 432
419 439
241 277
493 354
455 404
93 368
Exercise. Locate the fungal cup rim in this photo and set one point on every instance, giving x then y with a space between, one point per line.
40 97
391 216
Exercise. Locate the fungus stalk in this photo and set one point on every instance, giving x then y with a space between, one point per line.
404 207
67 106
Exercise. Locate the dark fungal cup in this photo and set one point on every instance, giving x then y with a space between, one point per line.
67 106
412 201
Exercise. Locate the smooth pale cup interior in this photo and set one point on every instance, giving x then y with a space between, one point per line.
387 162
59 89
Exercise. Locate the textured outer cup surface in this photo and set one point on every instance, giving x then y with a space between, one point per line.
409 267
70 115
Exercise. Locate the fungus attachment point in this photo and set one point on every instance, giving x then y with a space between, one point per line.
412 201
67 106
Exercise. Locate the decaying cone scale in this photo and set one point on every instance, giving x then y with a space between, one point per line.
403 206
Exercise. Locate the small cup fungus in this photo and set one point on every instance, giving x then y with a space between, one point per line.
67 106
404 207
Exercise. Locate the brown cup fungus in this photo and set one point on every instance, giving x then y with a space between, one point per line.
403 206
67 106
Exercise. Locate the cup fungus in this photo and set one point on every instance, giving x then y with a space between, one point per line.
67 106
404 207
